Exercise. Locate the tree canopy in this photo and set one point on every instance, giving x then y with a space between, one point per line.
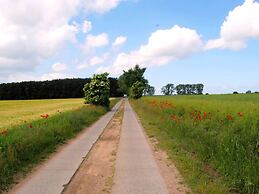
128 78
61 88
168 89
97 92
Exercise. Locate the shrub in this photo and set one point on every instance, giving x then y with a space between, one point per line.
136 90
97 91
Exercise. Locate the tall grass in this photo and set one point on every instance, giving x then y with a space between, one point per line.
222 131
24 145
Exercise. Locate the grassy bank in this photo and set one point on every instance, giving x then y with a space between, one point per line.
15 112
23 146
214 140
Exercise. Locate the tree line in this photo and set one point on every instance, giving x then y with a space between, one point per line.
183 89
60 88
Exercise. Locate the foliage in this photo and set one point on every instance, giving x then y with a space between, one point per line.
149 90
128 78
62 88
98 90
189 89
217 133
136 90
168 89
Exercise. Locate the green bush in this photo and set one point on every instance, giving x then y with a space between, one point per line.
97 92
136 90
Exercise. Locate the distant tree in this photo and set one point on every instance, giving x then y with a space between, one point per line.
248 92
199 88
189 89
61 88
168 89
149 90
115 90
97 92
235 92
137 89
128 78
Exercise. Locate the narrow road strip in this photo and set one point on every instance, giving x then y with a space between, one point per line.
58 171
136 171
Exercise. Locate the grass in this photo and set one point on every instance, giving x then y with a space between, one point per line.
25 145
15 112
214 140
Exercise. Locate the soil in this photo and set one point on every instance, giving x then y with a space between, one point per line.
169 172
95 175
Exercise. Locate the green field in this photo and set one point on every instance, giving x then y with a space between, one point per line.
24 144
214 139
15 112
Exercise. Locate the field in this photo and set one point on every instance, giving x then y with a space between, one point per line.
15 112
213 140
48 124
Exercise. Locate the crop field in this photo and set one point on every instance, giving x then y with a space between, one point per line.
213 140
36 128
15 112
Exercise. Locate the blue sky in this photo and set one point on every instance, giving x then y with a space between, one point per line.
179 41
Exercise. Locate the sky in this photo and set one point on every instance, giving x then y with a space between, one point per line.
179 41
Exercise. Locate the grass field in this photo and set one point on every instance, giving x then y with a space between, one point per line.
24 145
214 140
15 112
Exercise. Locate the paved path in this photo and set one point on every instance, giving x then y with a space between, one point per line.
56 172
136 171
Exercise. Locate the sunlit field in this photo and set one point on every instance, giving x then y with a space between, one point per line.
217 135
52 123
15 112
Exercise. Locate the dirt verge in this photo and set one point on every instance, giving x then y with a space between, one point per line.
95 175
169 172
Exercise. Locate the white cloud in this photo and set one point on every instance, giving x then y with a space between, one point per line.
87 26
97 41
51 76
120 40
59 67
101 6
163 46
241 24
96 60
34 30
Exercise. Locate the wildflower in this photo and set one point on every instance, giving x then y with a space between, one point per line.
3 133
229 117
44 116
175 118
199 117
204 115
240 114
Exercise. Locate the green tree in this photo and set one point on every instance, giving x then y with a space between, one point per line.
97 92
128 78
136 90
149 90
168 89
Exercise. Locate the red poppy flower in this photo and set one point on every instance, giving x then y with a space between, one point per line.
240 114
229 117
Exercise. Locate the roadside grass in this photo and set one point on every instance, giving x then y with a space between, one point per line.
213 140
15 112
23 146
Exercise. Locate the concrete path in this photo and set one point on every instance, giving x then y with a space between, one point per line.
58 171
136 171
